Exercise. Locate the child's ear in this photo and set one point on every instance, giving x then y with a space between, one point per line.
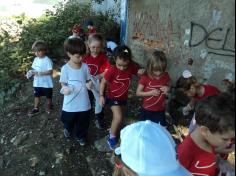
68 54
205 131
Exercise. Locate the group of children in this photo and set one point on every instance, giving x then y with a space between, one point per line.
90 77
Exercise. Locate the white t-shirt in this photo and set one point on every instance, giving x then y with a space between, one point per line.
43 65
78 100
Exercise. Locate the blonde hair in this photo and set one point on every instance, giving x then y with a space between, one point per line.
119 171
96 37
158 62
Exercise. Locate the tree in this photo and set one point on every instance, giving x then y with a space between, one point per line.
100 1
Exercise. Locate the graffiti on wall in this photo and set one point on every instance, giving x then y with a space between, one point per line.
152 32
155 31
214 45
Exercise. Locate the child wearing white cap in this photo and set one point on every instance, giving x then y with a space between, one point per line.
147 149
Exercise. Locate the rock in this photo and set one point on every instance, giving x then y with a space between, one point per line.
59 157
2 141
41 173
34 161
20 138
101 145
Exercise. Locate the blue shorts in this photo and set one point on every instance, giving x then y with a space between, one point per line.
113 102
40 92
154 116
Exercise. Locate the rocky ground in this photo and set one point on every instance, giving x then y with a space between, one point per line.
36 146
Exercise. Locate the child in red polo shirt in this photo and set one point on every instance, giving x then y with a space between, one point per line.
189 85
154 86
215 117
91 28
117 80
98 64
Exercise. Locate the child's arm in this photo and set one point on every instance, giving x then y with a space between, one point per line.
102 92
65 89
165 89
89 84
46 73
141 72
140 92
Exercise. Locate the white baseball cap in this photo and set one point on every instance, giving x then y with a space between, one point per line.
149 150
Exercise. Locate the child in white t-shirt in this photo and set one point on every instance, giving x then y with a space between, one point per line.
74 78
42 71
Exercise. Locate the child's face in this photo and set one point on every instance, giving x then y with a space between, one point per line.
192 91
121 64
75 58
221 139
157 73
95 47
40 54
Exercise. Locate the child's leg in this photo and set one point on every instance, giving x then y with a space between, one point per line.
68 120
117 120
115 126
49 103
36 102
82 124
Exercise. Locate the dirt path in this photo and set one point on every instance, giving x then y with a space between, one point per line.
36 145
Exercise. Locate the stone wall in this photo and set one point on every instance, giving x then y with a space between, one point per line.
200 31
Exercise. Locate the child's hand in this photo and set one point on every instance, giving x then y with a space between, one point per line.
225 167
187 109
226 149
65 90
36 73
89 85
155 92
102 101
29 74
141 71
165 89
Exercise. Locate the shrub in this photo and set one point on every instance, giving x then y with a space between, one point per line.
53 27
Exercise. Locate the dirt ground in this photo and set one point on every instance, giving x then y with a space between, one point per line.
35 146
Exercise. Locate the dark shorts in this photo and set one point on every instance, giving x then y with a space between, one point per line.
113 102
40 92
154 116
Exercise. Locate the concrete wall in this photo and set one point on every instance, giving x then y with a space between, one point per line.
201 30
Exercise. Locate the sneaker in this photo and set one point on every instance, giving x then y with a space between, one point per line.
112 142
81 141
33 112
100 124
66 133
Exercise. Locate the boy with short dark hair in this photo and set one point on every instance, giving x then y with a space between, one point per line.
215 117
76 104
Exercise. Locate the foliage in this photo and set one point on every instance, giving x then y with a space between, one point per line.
53 27
100 1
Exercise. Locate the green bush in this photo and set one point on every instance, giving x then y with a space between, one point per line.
53 27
